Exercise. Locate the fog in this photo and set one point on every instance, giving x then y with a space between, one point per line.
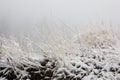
49 16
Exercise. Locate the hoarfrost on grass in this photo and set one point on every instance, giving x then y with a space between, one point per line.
93 55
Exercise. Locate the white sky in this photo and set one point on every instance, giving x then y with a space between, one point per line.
69 11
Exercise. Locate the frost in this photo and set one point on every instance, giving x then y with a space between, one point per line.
92 56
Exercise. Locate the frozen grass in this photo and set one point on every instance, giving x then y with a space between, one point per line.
92 55
97 38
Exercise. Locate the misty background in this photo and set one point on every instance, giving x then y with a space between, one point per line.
42 18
